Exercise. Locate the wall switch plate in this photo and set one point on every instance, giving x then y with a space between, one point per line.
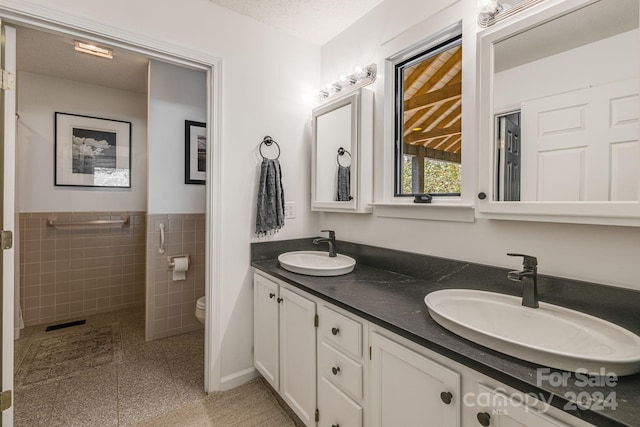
289 210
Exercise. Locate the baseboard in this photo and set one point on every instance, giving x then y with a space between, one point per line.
238 378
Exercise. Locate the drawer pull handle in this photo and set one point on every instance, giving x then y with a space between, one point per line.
335 331
279 300
335 370
446 397
271 295
484 418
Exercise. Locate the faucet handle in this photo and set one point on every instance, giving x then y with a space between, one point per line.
528 261
332 234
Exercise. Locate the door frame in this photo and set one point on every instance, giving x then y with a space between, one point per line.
42 18
8 222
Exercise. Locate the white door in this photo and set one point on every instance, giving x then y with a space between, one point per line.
582 145
298 354
620 111
8 145
408 389
265 329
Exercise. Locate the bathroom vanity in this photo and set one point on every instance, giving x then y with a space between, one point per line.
361 349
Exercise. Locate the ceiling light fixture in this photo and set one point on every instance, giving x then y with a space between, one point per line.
92 49
360 77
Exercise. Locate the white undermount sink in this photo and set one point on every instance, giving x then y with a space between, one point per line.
549 335
316 263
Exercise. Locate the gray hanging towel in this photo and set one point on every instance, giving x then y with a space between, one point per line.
270 212
344 183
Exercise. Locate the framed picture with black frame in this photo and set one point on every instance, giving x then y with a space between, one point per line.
195 152
91 151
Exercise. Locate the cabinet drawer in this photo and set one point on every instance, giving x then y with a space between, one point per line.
336 409
514 409
340 369
341 331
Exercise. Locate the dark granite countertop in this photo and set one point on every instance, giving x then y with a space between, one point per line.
395 301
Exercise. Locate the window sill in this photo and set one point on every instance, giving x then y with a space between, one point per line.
455 212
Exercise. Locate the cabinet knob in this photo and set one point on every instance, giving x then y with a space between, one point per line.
335 370
279 300
271 295
335 331
482 195
484 418
446 397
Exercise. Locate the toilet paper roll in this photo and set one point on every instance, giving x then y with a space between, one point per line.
180 267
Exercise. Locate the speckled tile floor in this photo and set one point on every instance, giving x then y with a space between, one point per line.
152 378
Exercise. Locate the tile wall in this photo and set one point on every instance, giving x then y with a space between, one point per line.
70 272
171 304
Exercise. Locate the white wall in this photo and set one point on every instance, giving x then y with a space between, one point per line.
600 254
39 97
176 94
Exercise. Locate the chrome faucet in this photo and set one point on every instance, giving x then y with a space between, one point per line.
529 278
331 241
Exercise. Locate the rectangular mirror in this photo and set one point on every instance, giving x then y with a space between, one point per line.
341 153
559 113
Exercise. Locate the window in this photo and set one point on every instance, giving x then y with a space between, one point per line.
428 121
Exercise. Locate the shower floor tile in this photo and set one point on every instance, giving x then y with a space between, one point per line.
151 378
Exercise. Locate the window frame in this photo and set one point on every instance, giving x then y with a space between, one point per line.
456 19
422 52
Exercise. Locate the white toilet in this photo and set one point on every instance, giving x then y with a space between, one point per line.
200 309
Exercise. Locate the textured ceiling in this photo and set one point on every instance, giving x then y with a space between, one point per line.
316 21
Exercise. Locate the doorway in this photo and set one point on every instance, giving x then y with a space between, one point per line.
508 157
208 118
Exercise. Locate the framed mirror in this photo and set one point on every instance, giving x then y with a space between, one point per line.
341 153
558 118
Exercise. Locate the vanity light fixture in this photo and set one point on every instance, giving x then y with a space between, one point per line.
92 49
360 77
492 11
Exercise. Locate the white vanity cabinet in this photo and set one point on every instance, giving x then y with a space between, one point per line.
410 386
368 376
285 344
341 369
409 389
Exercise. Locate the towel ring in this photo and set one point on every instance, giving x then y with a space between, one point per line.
268 141
342 152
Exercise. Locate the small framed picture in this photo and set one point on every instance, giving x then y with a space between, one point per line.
195 154
92 152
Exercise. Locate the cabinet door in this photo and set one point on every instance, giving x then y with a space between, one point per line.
265 329
406 388
336 408
298 354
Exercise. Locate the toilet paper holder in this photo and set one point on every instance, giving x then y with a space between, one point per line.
171 260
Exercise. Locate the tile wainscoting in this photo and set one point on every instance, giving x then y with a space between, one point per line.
171 304
77 271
